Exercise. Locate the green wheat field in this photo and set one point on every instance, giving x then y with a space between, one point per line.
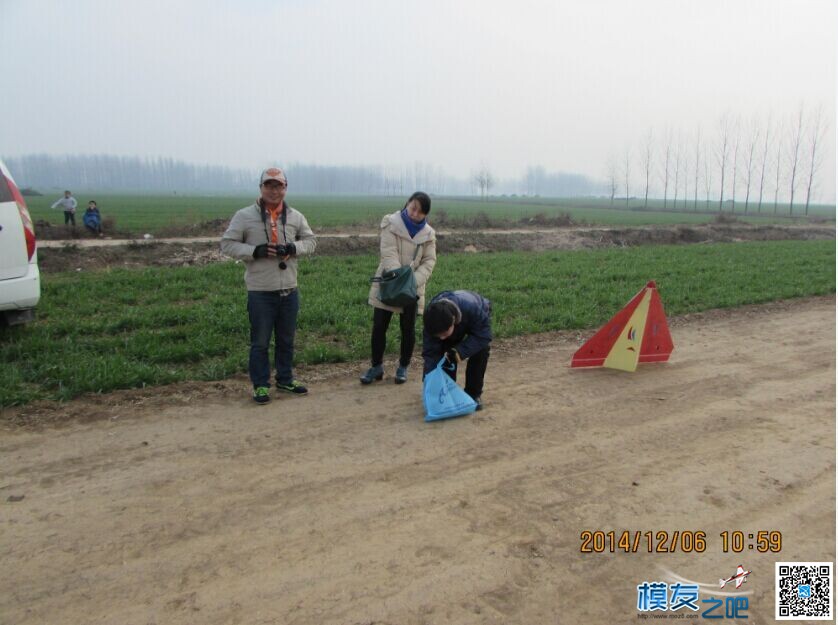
160 215
128 328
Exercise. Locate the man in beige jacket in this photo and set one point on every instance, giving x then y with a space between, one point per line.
269 236
406 239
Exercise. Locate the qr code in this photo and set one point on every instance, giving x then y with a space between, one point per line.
804 591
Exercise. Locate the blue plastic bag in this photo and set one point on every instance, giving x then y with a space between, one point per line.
443 398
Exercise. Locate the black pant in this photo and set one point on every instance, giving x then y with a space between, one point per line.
475 372
69 217
380 323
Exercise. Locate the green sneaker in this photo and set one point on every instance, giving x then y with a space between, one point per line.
262 394
294 388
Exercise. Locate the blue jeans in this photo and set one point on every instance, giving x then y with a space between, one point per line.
271 313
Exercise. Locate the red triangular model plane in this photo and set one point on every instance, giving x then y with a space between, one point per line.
638 333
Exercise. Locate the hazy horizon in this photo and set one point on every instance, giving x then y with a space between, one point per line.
455 86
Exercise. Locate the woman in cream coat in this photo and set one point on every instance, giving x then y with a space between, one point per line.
406 239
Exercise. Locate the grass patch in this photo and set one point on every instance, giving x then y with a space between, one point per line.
155 214
124 328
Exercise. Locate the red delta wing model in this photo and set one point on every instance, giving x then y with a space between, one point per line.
638 333
741 577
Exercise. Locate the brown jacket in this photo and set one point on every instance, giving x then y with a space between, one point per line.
397 249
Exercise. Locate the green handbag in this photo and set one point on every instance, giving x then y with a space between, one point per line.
398 287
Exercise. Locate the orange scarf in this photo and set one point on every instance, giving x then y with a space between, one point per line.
274 213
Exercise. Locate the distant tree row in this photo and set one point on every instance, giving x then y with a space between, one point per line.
120 173
372 180
116 173
761 164
539 181
105 172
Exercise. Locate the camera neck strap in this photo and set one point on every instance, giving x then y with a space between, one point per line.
281 212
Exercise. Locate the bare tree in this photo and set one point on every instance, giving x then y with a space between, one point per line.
686 177
753 139
386 181
677 173
777 163
667 157
708 179
477 181
737 135
490 182
647 166
722 153
818 131
697 162
794 155
612 178
627 174
484 180
764 161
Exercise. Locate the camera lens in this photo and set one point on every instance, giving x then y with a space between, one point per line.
282 265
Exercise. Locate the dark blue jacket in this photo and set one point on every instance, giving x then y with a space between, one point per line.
473 334
92 218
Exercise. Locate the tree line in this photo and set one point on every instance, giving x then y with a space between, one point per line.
135 174
761 164
123 173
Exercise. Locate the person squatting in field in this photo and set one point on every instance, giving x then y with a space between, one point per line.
268 236
406 238
458 326
92 218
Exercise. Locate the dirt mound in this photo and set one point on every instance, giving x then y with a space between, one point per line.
72 257
726 218
47 231
710 233
602 237
213 227
90 255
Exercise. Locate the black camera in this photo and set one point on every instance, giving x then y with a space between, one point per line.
281 252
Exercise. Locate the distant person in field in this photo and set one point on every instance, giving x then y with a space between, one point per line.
92 219
406 239
268 236
458 326
68 204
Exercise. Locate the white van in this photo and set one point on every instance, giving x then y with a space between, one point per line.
20 280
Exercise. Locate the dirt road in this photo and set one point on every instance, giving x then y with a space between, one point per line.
345 507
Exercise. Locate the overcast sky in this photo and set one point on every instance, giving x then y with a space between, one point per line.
562 84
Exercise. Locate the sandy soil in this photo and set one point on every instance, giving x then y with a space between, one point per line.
345 507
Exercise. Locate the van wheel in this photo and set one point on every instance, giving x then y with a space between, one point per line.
18 317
